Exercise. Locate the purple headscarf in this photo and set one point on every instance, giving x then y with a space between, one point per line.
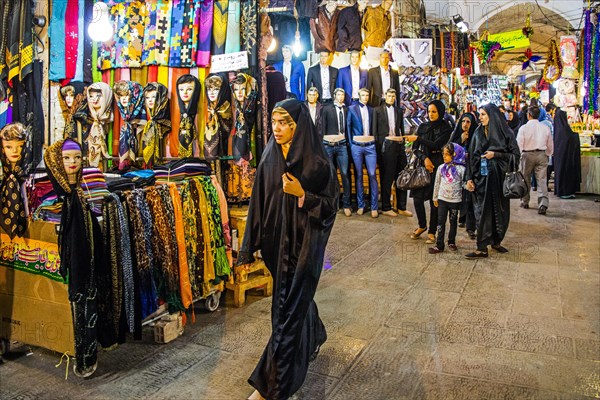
459 158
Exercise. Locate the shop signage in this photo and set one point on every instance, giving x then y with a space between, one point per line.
510 40
229 62
30 255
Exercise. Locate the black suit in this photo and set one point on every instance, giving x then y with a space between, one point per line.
314 79
330 120
318 113
391 155
375 86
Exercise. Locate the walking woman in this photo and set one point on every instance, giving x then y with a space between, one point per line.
291 214
491 149
428 143
567 157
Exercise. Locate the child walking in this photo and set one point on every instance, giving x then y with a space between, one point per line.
447 195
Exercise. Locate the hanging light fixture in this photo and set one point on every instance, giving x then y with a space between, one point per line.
272 46
100 29
460 23
297 47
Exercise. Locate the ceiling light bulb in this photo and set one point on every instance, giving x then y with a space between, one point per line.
272 46
100 29
297 47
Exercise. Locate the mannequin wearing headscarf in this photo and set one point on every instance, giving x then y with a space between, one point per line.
218 117
463 133
130 101
158 125
80 248
495 141
291 214
188 94
73 103
431 136
567 157
15 155
99 99
245 94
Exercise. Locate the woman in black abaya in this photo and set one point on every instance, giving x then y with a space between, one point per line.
567 157
292 211
495 142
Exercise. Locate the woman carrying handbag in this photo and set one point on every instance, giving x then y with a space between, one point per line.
427 146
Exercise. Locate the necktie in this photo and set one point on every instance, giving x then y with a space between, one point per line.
341 120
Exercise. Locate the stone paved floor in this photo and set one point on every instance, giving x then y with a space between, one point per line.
401 323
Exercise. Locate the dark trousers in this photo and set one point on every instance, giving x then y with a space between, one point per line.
449 211
393 160
338 155
467 212
419 202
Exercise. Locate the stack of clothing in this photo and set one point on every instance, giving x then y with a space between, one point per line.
179 170
94 187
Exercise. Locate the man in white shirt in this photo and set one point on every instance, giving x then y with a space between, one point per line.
382 78
351 79
314 107
536 145
293 72
323 77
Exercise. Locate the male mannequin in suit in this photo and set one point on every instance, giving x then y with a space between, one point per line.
362 148
333 128
382 78
388 128
293 71
314 107
323 76
351 79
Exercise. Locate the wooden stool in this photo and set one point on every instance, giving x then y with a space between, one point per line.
255 276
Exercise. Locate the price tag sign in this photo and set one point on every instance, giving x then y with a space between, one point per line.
229 62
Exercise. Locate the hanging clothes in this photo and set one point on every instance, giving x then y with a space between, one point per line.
20 41
157 126
218 116
71 40
348 29
185 288
219 252
119 49
99 100
189 109
163 32
376 24
56 30
249 31
205 32
324 30
132 115
232 43
87 43
149 43
177 26
75 115
219 29
135 21
189 35
244 100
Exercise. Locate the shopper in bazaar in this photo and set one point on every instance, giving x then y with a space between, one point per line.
567 158
291 214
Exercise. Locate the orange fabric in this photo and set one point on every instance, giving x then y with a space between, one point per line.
152 73
175 73
117 121
185 287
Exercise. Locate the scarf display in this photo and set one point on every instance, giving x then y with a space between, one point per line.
187 125
177 27
163 32
245 115
98 119
149 44
69 52
76 115
218 118
449 169
232 43
189 34
249 31
219 31
205 33
217 239
56 30
19 57
128 140
13 219
193 237
158 124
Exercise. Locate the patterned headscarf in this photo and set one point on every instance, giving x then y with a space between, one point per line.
96 138
187 126
218 118
53 158
128 141
77 109
158 125
459 158
13 220
244 114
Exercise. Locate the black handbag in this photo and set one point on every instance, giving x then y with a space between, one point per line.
514 186
413 176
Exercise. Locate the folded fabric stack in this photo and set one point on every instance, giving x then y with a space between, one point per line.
179 170
94 187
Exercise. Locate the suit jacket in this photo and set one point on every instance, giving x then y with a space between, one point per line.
348 29
375 86
344 81
319 112
297 78
314 79
380 127
355 124
329 120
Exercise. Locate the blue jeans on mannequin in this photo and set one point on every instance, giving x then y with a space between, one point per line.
367 154
338 155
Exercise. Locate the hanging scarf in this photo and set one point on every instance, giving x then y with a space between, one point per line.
73 114
245 113
217 238
163 32
177 27
219 28
158 125
128 141
249 32
13 220
218 119
20 46
205 33
187 126
149 43
189 35
98 118
136 24
459 158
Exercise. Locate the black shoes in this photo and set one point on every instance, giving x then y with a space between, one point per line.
499 248
542 210
472 235
477 254
525 206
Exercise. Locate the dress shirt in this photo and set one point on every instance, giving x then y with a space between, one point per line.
325 82
385 81
364 112
391 120
355 72
287 72
535 136
313 112
340 109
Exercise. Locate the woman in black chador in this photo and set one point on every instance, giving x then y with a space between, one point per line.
567 157
495 143
292 210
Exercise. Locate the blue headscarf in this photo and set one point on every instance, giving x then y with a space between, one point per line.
459 158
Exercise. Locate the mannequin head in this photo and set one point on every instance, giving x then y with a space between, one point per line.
386 4
213 87
339 94
283 126
363 95
122 92
390 97
331 6
68 94
312 96
324 58
95 98
150 99
71 156
13 138
384 59
239 88
355 58
186 85
286 51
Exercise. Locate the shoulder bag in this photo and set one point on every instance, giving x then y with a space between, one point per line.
514 186
414 175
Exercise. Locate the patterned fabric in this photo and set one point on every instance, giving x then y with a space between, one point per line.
249 30
205 33
149 45
240 179
135 21
20 50
217 239
131 115
189 34
187 126
177 25
204 260
100 114
114 300
224 219
232 43
218 118
163 32
71 39
189 230
158 124
13 220
185 289
219 31
120 45
245 115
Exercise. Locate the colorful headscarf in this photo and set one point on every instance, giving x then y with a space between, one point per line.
13 219
96 138
158 125
245 113
459 158
218 118
128 140
187 126
53 159
77 111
